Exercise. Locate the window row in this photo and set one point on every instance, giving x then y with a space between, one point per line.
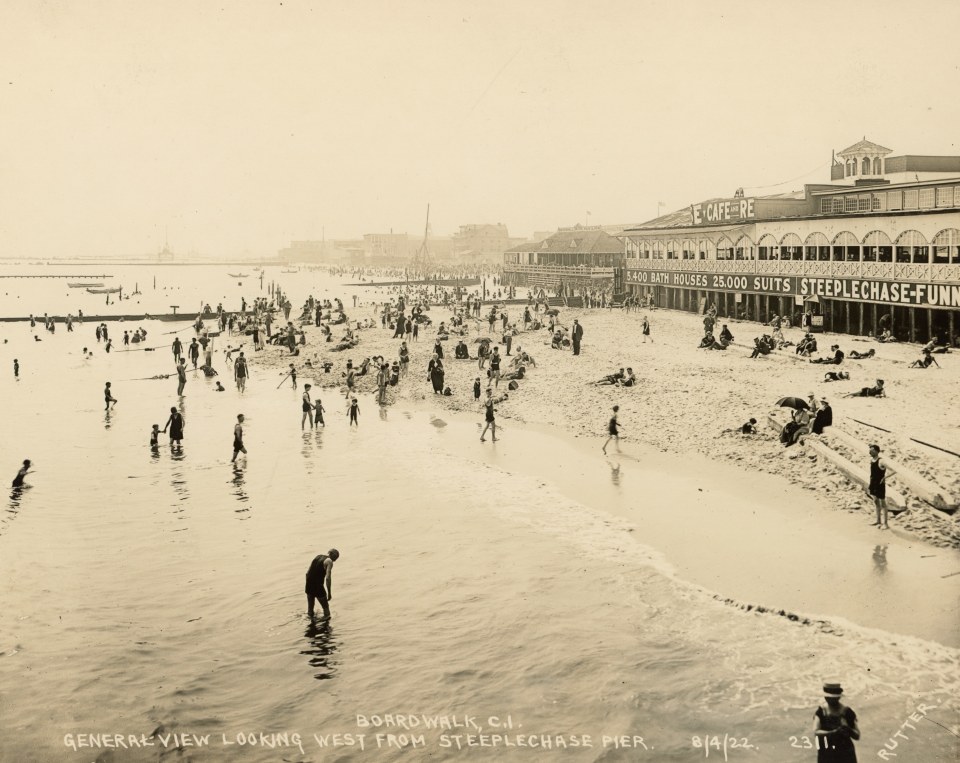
893 201
910 247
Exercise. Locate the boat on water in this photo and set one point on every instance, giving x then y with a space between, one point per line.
289 271
238 275
91 285
113 290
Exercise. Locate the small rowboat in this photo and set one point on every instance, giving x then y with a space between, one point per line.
104 291
84 285
238 275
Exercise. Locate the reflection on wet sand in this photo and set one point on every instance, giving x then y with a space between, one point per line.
321 649
240 490
880 559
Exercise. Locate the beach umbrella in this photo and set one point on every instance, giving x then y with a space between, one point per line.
793 402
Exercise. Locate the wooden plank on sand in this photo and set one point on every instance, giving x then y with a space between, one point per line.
924 489
847 468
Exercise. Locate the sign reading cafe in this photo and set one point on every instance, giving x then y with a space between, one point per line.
723 211
857 289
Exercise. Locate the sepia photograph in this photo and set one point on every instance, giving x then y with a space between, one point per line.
602 358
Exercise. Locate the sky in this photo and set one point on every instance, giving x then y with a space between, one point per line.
235 127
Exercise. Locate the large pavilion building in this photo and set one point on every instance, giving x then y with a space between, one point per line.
871 243
581 257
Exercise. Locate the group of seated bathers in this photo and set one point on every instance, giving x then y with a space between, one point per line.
709 342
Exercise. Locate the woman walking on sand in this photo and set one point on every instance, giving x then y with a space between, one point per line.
646 330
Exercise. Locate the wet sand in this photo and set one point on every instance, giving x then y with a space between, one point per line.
750 538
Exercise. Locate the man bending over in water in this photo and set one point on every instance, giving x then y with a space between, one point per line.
320 581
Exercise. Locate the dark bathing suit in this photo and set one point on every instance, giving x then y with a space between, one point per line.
612 427
315 579
878 481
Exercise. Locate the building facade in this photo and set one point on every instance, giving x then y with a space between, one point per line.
849 254
574 258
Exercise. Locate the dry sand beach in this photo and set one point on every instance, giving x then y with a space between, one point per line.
693 400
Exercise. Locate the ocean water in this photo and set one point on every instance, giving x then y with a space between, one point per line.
162 591
160 287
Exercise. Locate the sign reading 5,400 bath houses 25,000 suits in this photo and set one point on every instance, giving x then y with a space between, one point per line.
908 293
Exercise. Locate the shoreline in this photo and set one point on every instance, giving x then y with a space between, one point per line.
746 539
686 398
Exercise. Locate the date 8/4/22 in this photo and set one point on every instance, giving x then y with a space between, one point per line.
721 745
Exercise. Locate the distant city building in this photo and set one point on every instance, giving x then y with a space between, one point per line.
388 247
484 242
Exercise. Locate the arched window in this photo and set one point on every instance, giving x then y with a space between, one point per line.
846 247
689 249
657 249
791 248
866 166
877 247
912 246
703 249
673 250
878 166
946 246
724 248
816 247
767 248
744 249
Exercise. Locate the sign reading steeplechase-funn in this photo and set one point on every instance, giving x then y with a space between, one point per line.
909 293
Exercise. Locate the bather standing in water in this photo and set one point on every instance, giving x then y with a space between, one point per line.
176 425
18 480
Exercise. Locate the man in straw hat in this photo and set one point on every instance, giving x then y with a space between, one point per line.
835 728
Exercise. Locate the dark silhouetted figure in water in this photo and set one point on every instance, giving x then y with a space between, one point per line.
320 581
18 480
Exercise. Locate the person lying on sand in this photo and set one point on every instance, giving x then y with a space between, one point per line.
832 376
862 355
612 379
875 391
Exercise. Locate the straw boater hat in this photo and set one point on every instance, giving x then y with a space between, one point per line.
832 690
